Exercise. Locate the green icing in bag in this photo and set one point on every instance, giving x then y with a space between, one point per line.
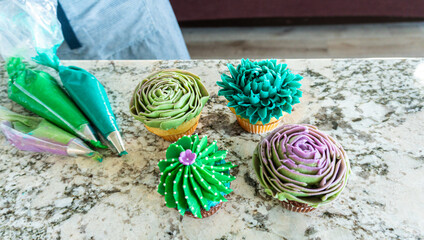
31 30
38 92
36 134
88 94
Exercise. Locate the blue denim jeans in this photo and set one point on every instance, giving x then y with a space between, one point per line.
123 29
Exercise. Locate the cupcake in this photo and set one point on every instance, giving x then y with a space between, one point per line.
259 92
195 177
301 166
169 103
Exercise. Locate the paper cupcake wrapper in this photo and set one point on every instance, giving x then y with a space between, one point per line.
174 137
297 206
258 127
205 213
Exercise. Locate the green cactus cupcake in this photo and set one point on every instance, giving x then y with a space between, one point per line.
195 176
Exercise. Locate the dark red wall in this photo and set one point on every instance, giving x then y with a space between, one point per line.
193 10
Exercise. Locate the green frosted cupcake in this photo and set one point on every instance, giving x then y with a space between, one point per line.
195 176
169 103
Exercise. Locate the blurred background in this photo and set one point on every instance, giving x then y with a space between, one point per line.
301 29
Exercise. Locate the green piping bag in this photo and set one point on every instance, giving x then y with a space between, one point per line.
31 29
89 95
39 92
24 27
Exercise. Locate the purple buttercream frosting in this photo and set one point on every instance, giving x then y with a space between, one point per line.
187 157
301 163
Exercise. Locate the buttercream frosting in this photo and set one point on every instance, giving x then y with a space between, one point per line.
261 90
301 163
194 175
168 98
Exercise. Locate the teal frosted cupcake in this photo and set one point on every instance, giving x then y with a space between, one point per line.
195 176
259 93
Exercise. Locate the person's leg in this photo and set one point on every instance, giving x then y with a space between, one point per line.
132 29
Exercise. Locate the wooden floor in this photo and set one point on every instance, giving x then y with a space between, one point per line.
328 41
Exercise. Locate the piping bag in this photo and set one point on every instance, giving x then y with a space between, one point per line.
36 90
88 94
81 86
36 134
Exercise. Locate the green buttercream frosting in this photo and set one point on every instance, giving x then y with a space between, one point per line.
168 98
194 185
261 90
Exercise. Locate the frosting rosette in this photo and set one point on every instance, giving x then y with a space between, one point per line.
302 164
168 98
194 175
260 91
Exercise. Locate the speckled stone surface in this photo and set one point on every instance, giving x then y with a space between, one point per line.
374 107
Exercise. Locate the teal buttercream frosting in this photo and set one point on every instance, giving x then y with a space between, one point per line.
260 90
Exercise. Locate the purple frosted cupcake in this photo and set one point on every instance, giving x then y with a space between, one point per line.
301 166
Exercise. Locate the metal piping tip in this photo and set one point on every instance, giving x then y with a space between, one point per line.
116 141
78 147
87 133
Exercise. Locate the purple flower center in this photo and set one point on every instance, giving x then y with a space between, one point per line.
187 157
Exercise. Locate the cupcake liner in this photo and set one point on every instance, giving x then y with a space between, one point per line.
256 128
173 135
297 206
205 213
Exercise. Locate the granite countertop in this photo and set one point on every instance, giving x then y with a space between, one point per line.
373 107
